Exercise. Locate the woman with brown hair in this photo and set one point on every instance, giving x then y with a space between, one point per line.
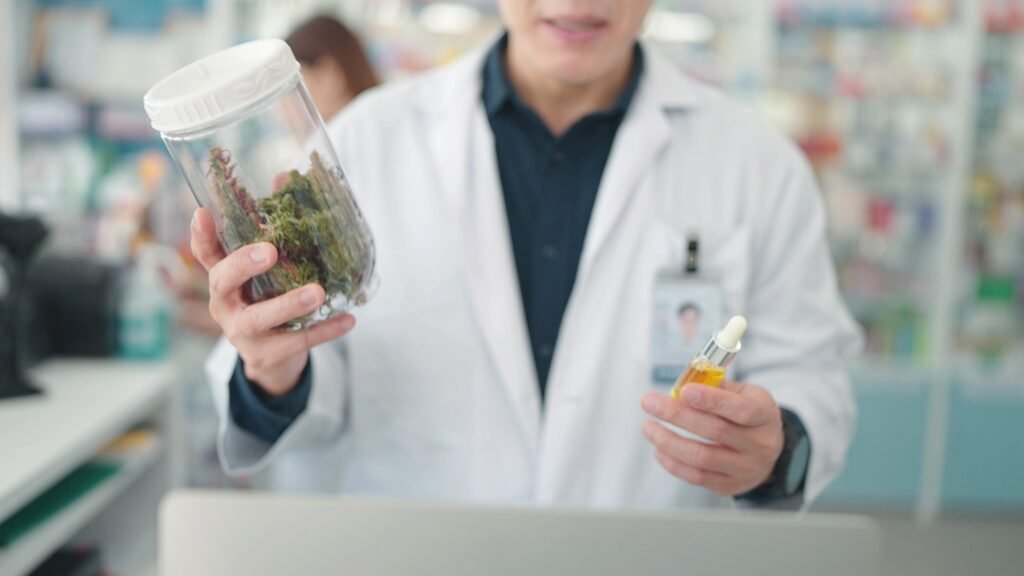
335 66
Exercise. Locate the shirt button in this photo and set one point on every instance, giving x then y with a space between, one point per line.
559 157
549 252
546 351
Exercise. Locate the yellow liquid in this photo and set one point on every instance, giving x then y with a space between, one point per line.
699 372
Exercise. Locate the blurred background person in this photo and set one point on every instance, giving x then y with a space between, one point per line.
335 65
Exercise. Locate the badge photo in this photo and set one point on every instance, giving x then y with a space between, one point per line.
688 308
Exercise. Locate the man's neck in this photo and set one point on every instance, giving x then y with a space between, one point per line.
562 104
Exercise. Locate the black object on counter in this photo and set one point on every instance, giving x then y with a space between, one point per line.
78 561
76 304
20 237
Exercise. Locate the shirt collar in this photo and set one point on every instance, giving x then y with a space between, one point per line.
498 90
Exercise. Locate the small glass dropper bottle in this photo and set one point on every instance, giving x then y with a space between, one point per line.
708 367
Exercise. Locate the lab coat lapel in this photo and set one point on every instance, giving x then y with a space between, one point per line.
644 134
462 147
582 357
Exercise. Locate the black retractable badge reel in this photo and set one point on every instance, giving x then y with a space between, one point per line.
688 308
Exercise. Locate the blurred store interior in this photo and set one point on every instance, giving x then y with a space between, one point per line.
911 112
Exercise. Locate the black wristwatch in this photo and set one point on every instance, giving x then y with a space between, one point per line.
790 472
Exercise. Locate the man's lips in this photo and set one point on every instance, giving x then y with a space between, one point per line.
576 29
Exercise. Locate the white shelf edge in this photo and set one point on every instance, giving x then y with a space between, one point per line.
951 247
28 552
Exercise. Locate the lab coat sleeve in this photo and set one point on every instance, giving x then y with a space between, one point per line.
243 454
801 334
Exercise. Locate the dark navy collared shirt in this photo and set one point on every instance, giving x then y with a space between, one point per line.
550 184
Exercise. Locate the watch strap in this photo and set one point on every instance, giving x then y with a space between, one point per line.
775 488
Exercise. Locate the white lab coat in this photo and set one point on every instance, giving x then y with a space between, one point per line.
434 394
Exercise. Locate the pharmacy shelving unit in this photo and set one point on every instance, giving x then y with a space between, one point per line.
883 98
942 384
86 405
984 464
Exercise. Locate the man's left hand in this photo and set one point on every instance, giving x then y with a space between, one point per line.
742 420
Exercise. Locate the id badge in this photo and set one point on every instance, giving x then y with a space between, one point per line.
688 308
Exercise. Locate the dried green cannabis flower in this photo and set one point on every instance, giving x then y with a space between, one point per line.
310 219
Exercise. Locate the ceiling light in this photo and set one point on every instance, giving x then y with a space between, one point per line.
679 27
449 18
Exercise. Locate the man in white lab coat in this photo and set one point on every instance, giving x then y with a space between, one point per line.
524 201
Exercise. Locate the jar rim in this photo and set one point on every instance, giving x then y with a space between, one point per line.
213 125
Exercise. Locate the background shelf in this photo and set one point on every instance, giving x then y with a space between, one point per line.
35 546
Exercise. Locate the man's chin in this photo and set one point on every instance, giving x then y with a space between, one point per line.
574 71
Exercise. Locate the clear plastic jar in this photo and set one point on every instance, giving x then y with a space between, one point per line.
243 129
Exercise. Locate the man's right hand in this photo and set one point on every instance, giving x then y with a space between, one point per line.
274 358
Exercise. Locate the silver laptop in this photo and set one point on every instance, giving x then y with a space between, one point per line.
225 533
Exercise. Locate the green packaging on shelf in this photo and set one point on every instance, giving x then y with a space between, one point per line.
989 322
997 289
59 497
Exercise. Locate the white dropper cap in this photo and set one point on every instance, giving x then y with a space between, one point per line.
729 337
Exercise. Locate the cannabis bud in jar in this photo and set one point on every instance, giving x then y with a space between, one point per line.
318 239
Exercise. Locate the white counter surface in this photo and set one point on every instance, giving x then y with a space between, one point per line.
86 404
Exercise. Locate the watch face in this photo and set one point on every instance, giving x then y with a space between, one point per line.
798 465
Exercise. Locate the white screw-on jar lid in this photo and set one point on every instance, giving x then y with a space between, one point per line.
222 84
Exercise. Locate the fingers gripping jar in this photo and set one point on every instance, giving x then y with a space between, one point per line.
244 131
